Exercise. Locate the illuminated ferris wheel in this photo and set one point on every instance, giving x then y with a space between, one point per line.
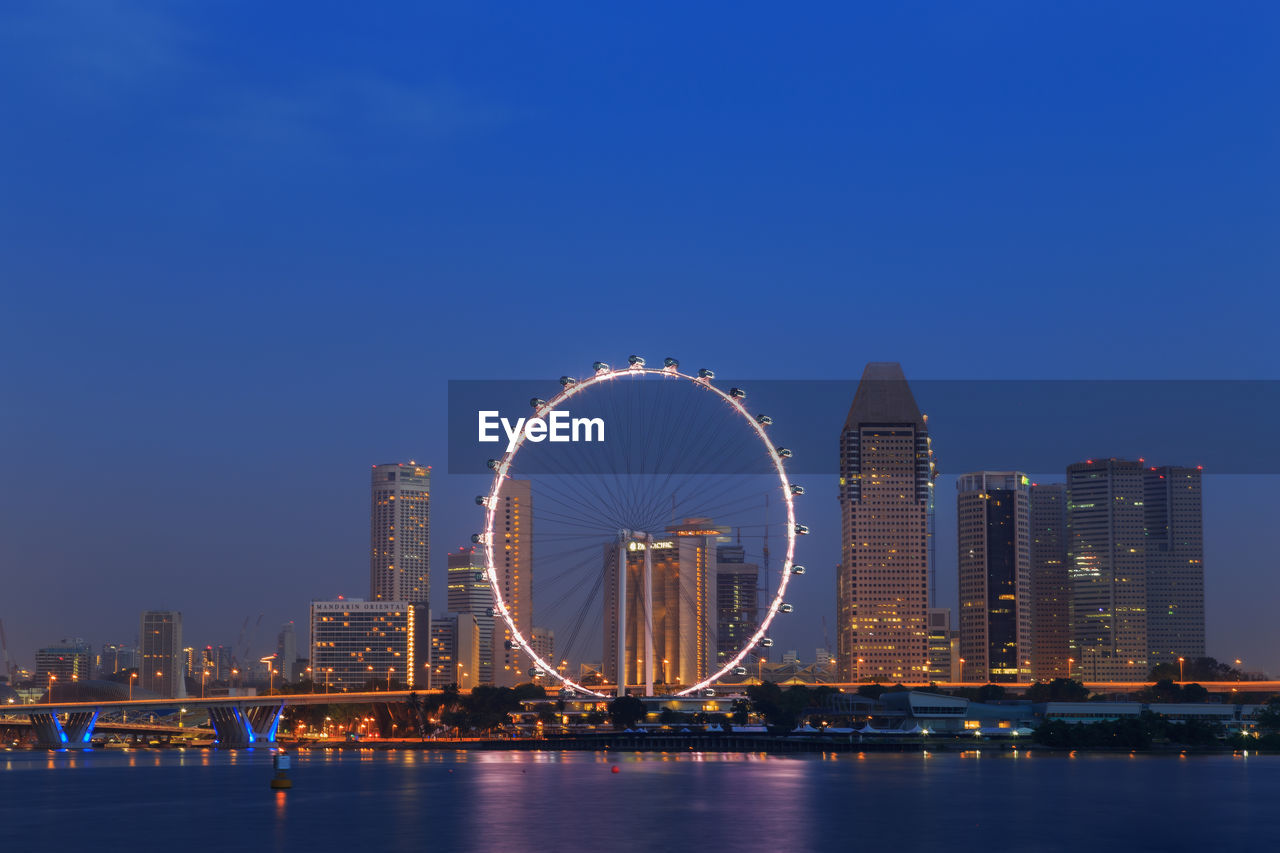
645 546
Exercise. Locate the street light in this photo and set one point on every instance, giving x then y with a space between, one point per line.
1181 679
1069 662
858 678
52 678
204 673
962 662
390 670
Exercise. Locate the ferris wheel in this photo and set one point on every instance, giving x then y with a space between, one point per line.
619 539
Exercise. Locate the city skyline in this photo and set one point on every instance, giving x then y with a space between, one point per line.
220 313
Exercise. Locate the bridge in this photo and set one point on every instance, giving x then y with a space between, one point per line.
238 721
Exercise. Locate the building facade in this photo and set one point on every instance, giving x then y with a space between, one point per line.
469 593
940 644
886 481
162 667
355 642
1175 564
993 525
454 650
737 604
513 554
1050 616
68 661
683 567
116 657
400 534
1106 569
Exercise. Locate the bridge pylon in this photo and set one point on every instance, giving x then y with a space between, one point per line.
74 733
237 727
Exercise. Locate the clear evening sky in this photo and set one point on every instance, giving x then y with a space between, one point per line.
243 247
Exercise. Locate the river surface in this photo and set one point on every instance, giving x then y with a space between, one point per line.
201 800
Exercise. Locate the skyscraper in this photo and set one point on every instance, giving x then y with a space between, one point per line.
399 534
993 527
1051 596
469 593
287 653
737 602
160 648
1106 566
683 568
1175 564
882 586
513 554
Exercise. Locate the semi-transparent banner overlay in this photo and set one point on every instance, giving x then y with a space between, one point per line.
667 425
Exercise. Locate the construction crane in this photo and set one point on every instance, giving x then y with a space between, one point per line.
10 668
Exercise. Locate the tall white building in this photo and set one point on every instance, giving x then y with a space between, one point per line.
469 593
399 534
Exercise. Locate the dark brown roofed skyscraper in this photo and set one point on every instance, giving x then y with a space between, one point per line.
882 589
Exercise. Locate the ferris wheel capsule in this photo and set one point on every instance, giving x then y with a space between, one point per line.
739 670
764 420
566 381
785 608
797 489
479 538
670 363
767 642
801 530
797 570
704 373
708 693
537 402
784 452
492 464
600 367
482 500
635 361
737 393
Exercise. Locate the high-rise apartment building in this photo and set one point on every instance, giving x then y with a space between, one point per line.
399 534
882 585
1107 570
356 642
1175 564
513 555
162 667
1050 592
469 593
993 523
683 570
737 603
455 650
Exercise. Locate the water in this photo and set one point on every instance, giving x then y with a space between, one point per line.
197 800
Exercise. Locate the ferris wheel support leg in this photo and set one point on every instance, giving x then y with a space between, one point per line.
648 614
623 539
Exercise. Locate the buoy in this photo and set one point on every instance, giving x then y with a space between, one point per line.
281 780
615 769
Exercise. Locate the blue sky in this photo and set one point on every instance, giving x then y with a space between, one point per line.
243 248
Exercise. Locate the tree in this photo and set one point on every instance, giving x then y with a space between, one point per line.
546 712
1058 690
1196 669
626 711
780 708
1269 717
990 693
741 712
414 704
